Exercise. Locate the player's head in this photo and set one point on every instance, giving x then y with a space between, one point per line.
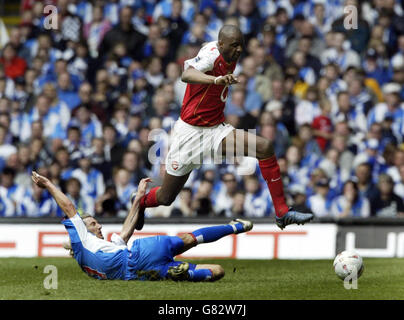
231 42
92 225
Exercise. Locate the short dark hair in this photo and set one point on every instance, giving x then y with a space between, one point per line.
73 179
8 171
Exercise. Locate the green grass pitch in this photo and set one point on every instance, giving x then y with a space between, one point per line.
23 278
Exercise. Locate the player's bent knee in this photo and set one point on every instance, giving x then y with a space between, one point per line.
264 149
189 240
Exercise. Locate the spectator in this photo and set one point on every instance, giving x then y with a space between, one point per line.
391 108
308 108
62 158
339 54
224 199
86 97
363 174
58 106
37 202
372 155
272 49
95 30
255 82
358 36
10 190
91 179
387 203
123 32
83 203
345 111
258 202
322 126
108 204
278 136
88 123
202 202
399 185
154 72
298 198
7 208
70 24
178 25
350 203
320 20
124 189
66 92
248 17
374 67
131 161
52 122
237 209
359 95
6 149
184 206
13 65
112 148
320 202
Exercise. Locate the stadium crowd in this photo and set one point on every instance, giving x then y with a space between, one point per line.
81 104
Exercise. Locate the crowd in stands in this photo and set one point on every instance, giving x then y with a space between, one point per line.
81 104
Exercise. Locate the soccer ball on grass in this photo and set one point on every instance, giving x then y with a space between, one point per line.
348 263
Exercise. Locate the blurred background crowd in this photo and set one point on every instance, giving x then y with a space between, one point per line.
79 104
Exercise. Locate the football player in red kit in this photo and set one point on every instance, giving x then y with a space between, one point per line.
201 128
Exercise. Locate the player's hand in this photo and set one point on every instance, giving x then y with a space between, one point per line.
228 79
141 190
39 180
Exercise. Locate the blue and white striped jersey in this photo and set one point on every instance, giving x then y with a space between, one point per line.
98 258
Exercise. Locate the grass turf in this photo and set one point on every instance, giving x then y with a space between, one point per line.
22 278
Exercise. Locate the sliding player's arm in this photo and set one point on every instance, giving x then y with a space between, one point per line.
63 202
130 222
192 75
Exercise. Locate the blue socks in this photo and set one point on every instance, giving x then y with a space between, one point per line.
211 234
200 274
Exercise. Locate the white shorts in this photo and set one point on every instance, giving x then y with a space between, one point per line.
192 146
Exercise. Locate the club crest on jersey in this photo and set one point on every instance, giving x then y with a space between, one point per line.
175 165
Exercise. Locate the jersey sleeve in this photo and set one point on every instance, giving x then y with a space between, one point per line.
116 239
76 228
205 60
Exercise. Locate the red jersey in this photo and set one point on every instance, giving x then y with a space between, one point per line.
203 104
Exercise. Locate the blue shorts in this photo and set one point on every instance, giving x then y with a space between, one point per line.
149 258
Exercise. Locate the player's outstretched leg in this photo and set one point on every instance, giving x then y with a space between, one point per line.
211 234
264 152
211 272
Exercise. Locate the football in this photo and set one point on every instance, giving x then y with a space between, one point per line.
348 263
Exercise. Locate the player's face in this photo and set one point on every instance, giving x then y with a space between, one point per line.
94 227
232 47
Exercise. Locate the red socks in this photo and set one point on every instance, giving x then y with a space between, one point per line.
149 200
272 175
